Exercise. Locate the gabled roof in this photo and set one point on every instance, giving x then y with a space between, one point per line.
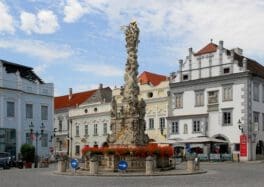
151 78
62 102
209 48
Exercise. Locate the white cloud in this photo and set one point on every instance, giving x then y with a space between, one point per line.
38 48
45 22
6 20
237 22
99 69
73 10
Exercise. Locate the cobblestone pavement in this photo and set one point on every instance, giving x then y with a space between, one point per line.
219 174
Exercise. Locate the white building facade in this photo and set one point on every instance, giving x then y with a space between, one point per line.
26 102
82 119
215 91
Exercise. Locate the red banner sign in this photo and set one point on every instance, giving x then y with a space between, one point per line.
243 145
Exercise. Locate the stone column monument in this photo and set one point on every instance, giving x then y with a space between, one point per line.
127 117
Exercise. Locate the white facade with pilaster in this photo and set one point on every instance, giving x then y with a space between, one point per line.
212 92
24 100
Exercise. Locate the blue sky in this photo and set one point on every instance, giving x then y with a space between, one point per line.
79 43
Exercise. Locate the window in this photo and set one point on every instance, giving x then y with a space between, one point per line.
199 98
256 121
185 77
77 132
226 70
227 93
237 147
196 126
60 125
44 140
77 150
262 122
105 128
44 112
263 93
86 130
29 111
227 117
10 109
255 91
174 127
150 94
185 130
178 100
95 130
162 123
151 123
29 138
213 97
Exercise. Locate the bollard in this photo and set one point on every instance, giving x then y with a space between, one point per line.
190 165
94 166
149 165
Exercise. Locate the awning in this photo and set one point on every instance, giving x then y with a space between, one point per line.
201 139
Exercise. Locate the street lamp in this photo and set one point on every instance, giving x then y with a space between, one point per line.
37 134
240 126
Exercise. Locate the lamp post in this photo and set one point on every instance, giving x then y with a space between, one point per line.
240 126
37 134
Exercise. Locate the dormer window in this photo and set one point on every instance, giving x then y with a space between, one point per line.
185 77
226 70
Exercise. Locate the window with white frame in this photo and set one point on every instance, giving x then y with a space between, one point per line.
60 125
262 122
263 93
196 126
95 130
174 127
227 93
256 121
185 129
105 129
77 131
29 138
10 109
77 149
29 111
256 91
151 123
44 140
199 98
85 130
162 123
227 117
212 97
44 112
178 100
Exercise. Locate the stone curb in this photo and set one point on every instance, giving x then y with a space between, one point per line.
129 174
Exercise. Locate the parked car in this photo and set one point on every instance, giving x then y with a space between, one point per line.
5 160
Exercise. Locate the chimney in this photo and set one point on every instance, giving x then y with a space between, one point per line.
221 44
70 93
100 86
190 51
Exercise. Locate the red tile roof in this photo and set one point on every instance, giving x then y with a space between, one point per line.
148 77
209 48
76 99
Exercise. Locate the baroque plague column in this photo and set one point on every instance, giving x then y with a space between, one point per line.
127 117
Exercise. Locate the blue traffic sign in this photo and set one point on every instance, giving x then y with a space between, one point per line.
122 165
74 163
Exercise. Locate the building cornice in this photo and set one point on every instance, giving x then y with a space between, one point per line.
222 78
187 116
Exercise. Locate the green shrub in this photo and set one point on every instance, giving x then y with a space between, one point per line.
27 152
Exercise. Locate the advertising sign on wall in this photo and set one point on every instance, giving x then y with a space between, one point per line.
243 145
